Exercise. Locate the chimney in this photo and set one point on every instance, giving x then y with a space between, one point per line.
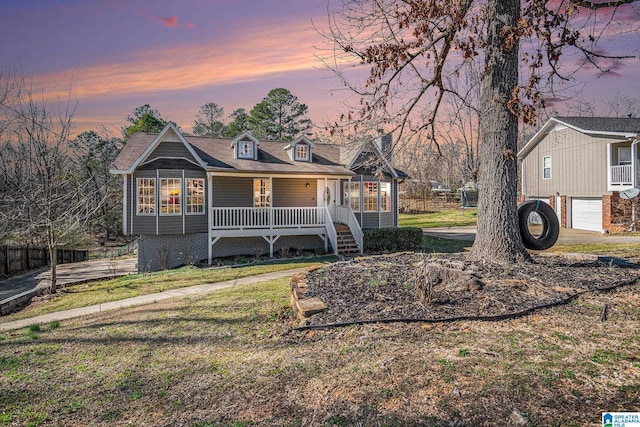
386 146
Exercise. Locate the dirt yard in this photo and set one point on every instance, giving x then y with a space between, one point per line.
387 287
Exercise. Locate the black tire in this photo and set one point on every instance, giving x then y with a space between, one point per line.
550 225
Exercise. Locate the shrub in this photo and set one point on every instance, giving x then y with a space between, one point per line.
392 240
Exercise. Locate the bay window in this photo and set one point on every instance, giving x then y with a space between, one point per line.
351 195
385 197
195 196
170 198
370 196
146 196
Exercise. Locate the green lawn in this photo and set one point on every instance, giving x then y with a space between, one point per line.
102 291
452 218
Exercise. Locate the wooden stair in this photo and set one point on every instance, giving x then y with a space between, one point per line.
347 245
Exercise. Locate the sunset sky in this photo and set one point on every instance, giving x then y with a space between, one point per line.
179 55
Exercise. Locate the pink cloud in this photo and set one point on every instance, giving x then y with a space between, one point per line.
171 21
190 25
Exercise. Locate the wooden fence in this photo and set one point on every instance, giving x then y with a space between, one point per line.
14 259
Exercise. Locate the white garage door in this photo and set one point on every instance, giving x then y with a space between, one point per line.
586 214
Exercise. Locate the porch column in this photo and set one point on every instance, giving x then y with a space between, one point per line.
609 164
209 219
634 162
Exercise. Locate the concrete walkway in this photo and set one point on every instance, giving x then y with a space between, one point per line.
18 290
147 299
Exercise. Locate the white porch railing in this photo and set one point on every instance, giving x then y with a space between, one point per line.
346 216
247 218
621 175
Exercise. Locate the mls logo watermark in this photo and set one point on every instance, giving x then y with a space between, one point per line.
621 419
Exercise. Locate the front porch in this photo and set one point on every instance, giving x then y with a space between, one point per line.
623 172
271 223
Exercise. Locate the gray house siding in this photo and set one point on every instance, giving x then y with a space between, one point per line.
142 224
291 192
568 150
231 191
161 223
378 219
170 149
169 224
196 223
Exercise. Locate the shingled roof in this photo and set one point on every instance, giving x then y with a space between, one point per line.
622 128
216 155
603 124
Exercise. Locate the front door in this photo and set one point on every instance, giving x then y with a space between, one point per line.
328 195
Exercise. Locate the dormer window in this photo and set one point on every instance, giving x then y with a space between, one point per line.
302 152
245 149
245 146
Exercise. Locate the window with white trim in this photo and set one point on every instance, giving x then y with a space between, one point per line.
245 149
546 167
302 152
195 196
261 193
624 156
146 196
370 196
351 195
170 200
385 197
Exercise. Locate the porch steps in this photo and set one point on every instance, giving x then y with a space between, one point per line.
347 245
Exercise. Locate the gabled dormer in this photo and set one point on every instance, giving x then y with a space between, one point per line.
245 146
300 150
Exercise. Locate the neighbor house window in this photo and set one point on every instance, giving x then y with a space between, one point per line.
195 196
385 197
624 156
245 149
546 167
351 195
170 196
261 193
302 152
370 196
146 196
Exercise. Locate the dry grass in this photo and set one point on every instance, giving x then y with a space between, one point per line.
227 360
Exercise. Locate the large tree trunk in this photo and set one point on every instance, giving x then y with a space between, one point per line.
498 238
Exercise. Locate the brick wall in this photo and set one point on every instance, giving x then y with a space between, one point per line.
617 213
563 211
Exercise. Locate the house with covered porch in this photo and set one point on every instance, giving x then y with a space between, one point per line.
193 198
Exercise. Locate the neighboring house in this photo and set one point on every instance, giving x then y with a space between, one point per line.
192 198
579 165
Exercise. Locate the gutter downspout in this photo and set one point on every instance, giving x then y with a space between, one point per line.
634 163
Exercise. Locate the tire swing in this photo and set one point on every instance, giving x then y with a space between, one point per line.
550 225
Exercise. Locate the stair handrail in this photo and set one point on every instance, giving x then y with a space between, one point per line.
332 234
347 217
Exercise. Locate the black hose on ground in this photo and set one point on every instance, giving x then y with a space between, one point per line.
493 318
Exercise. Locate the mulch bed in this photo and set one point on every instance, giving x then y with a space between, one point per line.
385 287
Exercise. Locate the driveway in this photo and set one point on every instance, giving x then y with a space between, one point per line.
67 273
567 235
